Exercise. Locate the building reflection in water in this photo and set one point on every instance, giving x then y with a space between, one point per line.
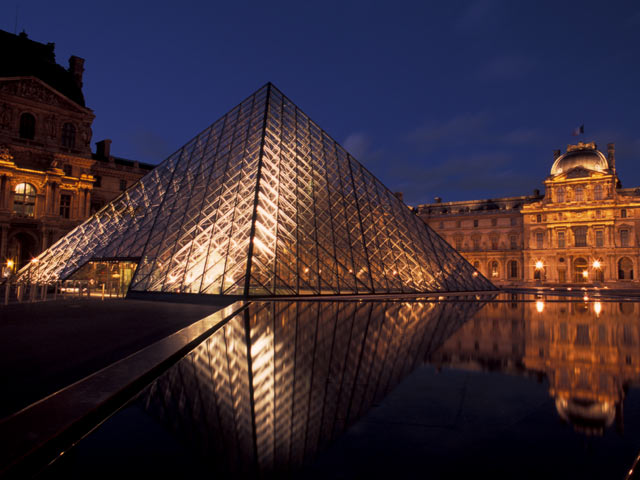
588 351
311 370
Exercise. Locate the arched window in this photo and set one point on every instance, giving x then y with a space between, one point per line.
560 195
68 135
27 126
597 192
512 268
625 269
24 199
493 268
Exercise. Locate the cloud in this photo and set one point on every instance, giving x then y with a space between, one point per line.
460 129
523 136
357 144
506 67
465 176
476 13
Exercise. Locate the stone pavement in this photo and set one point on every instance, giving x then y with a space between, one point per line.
46 346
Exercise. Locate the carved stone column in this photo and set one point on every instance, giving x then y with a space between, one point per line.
87 202
4 234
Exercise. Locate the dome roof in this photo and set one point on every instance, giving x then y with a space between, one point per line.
585 155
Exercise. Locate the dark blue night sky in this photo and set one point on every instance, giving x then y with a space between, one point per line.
458 99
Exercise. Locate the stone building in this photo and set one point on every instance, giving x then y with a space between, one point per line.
588 352
50 181
582 230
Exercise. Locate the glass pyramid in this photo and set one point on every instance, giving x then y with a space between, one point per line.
263 203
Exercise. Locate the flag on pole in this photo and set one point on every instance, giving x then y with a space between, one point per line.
578 130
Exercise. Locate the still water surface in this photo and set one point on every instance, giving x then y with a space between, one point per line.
506 388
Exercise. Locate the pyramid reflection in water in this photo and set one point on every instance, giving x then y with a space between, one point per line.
263 202
281 380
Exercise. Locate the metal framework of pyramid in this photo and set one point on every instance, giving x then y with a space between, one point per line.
264 203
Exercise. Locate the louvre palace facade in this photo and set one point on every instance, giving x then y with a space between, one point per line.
582 230
50 180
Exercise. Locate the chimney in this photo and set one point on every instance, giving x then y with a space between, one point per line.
611 155
76 67
556 154
437 199
103 149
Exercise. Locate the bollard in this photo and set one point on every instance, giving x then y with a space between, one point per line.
55 290
103 292
6 292
44 292
19 293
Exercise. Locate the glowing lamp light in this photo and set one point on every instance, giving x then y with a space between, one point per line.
539 265
10 263
597 307
596 264
34 260
539 306
475 274
585 274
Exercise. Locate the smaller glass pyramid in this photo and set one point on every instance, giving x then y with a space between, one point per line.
263 203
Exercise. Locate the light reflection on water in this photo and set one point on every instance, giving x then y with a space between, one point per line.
313 369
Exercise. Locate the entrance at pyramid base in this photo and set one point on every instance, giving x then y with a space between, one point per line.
102 277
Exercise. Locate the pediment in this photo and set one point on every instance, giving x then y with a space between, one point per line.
33 88
578 172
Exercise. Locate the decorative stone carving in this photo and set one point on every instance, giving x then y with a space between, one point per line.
50 126
86 134
6 116
5 156
34 90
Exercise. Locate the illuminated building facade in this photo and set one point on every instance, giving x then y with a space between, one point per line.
588 351
582 230
50 181
263 203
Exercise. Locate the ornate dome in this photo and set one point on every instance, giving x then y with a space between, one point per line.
585 155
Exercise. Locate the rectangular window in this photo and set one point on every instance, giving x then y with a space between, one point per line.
624 238
623 213
597 192
561 242
563 332
581 236
68 170
539 218
65 205
475 223
599 238
458 242
98 181
539 240
123 185
578 194
476 243
513 269
494 222
514 221
494 243
513 242
582 335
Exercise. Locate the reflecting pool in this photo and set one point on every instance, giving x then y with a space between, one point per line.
506 387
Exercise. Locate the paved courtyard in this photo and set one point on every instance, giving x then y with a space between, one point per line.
49 345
